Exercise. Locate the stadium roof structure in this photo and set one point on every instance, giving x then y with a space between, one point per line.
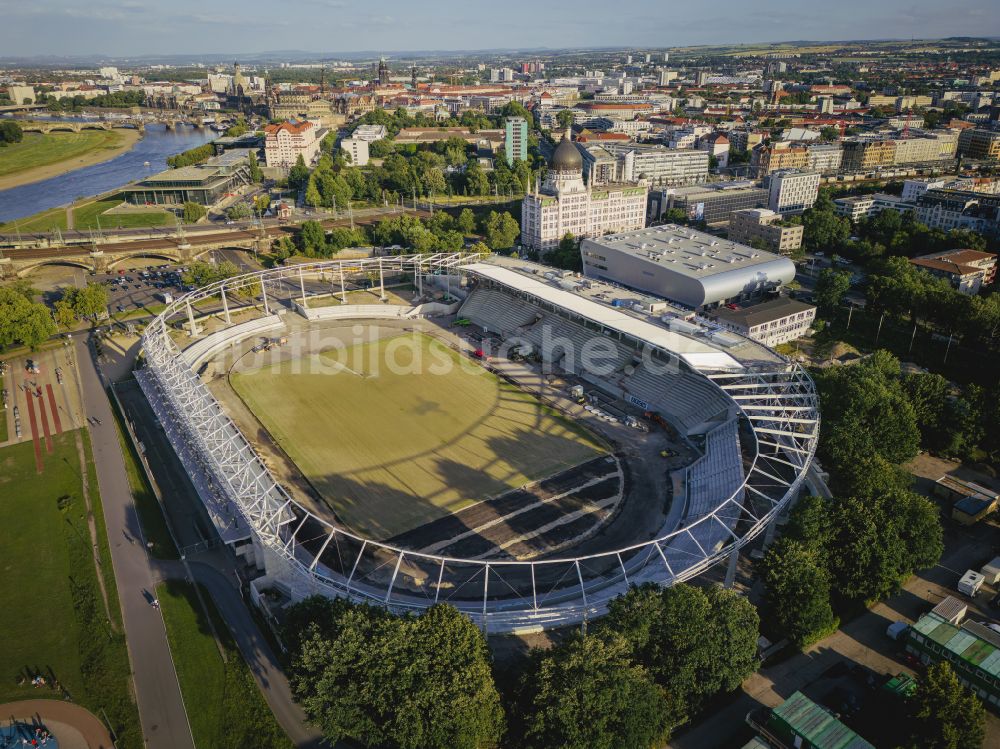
771 442
697 354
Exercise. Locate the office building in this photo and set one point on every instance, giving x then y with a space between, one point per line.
370 133
565 204
854 207
824 158
284 143
515 142
914 188
21 94
975 143
356 150
713 203
685 266
659 165
203 183
967 270
764 228
772 322
791 192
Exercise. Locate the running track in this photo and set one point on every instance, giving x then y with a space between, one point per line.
39 465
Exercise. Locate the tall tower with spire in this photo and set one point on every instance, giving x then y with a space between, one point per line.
383 72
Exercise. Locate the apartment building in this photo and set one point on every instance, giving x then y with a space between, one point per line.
868 155
955 209
515 143
824 158
712 203
967 270
762 227
854 207
976 143
284 143
766 159
356 149
792 191
659 165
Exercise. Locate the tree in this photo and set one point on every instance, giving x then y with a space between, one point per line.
565 118
23 321
256 175
262 202
298 175
466 221
501 230
89 301
193 212
10 132
312 238
314 196
238 212
64 314
797 592
829 133
203 274
567 254
944 714
694 642
409 682
588 694
866 413
831 286
823 229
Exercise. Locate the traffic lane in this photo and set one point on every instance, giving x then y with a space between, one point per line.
161 708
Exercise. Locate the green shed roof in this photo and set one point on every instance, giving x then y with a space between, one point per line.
817 726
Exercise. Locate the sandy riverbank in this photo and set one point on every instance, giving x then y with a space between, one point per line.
129 138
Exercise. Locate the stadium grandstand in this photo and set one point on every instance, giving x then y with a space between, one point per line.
747 418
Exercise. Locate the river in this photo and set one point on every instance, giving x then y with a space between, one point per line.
155 146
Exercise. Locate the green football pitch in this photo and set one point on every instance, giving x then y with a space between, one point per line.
401 431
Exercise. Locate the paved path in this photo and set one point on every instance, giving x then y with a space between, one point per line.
161 709
218 576
71 724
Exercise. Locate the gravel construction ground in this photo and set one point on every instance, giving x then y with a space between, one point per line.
402 431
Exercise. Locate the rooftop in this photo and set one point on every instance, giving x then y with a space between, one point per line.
972 642
816 725
687 251
291 126
759 314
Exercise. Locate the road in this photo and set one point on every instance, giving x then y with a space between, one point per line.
161 708
217 574
162 238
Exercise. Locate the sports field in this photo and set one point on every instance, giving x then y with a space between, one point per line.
402 431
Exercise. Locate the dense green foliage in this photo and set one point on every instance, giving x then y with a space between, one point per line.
407 682
203 274
256 176
195 155
314 241
797 592
695 642
943 713
22 320
567 254
77 303
117 100
589 694
500 230
10 132
193 212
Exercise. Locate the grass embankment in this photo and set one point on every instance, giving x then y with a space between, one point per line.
154 525
90 214
224 705
52 614
38 150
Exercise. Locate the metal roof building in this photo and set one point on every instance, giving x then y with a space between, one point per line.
973 650
684 265
800 722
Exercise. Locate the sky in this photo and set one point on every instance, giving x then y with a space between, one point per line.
136 27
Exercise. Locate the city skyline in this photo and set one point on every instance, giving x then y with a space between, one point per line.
113 28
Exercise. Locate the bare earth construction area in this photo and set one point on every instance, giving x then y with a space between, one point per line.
402 431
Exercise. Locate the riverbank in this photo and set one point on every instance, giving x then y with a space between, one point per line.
43 156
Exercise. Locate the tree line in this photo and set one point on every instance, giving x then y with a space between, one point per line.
427 681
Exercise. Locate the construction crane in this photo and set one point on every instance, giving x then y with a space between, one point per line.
906 126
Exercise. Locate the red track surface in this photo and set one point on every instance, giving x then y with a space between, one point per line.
39 465
55 410
45 422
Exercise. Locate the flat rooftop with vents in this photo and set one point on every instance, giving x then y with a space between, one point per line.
686 266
